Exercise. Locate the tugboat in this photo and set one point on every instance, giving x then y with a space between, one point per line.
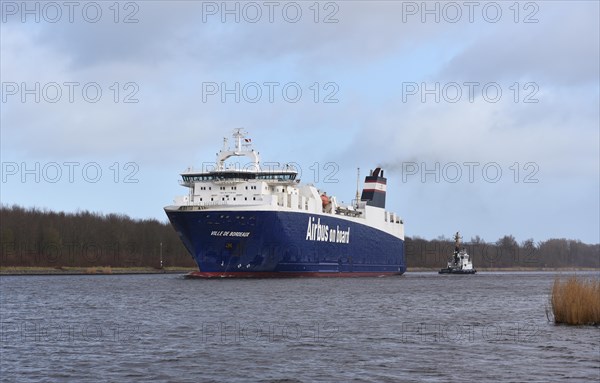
460 262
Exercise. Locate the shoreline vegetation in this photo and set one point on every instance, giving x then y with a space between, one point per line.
108 270
86 242
576 301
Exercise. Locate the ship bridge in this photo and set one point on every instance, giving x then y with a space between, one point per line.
251 171
248 185
188 179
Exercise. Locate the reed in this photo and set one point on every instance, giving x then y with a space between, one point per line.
576 301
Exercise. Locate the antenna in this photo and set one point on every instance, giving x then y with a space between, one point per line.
357 185
238 134
457 239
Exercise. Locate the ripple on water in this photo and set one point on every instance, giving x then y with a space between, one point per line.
413 328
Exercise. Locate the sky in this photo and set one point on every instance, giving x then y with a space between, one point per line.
483 115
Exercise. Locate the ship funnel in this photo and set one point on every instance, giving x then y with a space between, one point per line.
374 189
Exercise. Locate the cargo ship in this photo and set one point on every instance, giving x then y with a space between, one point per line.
249 222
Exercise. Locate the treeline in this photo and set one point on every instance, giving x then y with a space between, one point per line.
41 238
506 252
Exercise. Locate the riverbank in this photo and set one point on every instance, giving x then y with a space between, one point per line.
107 270
104 270
487 269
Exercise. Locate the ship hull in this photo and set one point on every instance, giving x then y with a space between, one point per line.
264 244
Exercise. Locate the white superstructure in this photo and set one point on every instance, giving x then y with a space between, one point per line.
252 188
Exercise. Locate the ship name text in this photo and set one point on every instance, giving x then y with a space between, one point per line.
221 233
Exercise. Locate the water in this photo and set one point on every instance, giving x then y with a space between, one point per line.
420 327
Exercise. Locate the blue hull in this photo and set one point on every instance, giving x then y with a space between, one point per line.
279 244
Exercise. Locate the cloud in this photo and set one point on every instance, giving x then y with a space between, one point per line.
563 48
369 53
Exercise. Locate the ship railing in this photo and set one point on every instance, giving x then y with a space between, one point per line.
229 181
207 204
233 181
191 207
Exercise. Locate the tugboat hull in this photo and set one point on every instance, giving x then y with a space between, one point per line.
452 271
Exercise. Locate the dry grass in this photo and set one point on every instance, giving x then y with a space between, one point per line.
576 301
